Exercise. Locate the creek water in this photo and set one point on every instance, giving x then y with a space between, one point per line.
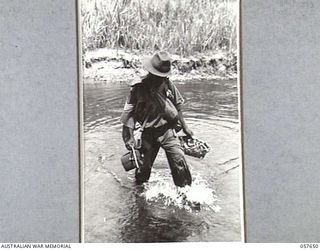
116 210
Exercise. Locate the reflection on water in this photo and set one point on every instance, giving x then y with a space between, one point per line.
118 211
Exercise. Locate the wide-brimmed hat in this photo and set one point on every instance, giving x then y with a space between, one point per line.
159 64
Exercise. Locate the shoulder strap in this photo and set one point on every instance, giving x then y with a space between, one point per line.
144 122
165 85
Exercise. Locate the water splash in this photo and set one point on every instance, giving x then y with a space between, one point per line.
161 190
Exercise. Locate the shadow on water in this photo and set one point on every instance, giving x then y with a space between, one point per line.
118 211
143 224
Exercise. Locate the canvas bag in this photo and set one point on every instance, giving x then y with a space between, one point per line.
167 109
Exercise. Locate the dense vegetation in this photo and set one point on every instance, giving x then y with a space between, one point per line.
179 26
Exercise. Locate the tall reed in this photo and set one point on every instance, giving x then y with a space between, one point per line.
179 26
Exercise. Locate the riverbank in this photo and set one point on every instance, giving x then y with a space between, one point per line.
119 66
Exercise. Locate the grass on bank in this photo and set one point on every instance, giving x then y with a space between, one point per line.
179 26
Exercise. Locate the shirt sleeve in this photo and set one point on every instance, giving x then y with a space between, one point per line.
126 116
175 96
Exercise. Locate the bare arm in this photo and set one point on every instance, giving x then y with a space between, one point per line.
185 127
178 101
128 122
127 136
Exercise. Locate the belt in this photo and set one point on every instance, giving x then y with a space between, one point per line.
159 130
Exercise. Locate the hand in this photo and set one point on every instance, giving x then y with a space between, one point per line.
130 143
188 132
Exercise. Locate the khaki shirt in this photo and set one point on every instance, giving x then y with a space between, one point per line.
140 104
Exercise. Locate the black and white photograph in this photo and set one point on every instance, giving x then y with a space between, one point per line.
161 121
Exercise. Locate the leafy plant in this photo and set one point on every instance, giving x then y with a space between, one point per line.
179 26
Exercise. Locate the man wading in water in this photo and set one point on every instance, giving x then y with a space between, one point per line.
156 103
